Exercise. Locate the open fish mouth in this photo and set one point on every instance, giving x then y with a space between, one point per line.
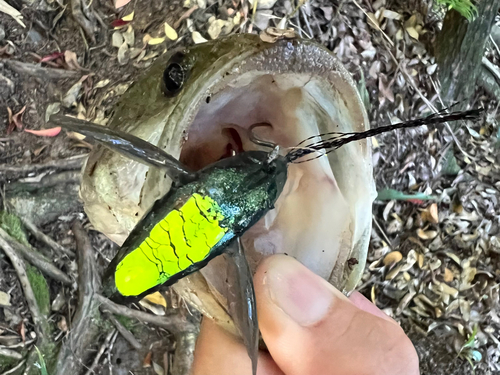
287 91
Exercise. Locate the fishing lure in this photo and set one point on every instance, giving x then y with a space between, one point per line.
206 212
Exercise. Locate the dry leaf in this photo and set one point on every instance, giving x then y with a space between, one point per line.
147 360
129 17
4 299
121 3
427 235
448 275
156 41
392 258
391 15
158 369
71 60
157 299
117 39
22 332
197 38
11 11
52 132
129 36
62 325
170 32
431 214
412 32
123 55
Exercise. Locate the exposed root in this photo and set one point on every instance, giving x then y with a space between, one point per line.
84 330
83 15
35 258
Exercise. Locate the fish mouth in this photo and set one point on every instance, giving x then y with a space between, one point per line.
320 217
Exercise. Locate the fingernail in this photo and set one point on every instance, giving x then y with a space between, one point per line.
301 294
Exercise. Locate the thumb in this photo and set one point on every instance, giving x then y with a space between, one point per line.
311 328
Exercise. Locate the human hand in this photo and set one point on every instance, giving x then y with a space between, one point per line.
310 328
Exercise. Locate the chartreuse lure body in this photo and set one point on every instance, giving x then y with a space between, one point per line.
195 222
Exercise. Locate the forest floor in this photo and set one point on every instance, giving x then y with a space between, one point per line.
434 259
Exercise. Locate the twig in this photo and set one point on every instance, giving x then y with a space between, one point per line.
14 369
35 258
78 13
8 172
39 71
39 235
18 264
101 351
124 332
10 353
492 68
174 323
185 15
495 44
374 22
382 232
84 331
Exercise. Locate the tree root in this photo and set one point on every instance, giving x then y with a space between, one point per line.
82 14
35 258
39 235
84 330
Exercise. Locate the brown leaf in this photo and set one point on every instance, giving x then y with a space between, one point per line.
71 60
22 332
147 360
15 121
392 258
448 275
431 214
62 325
11 123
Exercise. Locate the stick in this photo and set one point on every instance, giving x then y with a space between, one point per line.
8 172
18 264
10 353
124 332
35 258
39 71
39 235
14 369
84 331
174 323
99 354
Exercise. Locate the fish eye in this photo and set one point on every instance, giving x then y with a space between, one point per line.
175 75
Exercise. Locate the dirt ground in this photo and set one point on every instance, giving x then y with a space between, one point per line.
446 241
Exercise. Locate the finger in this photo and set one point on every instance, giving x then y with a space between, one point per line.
219 353
363 303
311 328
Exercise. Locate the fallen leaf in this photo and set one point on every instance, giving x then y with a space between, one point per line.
117 39
129 36
392 258
123 56
11 11
197 38
121 3
158 369
431 214
117 24
15 121
147 360
391 15
52 57
170 32
412 32
184 16
427 235
448 275
129 17
52 132
52 109
22 331
157 299
39 150
156 41
4 299
71 60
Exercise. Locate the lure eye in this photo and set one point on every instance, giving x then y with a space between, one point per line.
175 75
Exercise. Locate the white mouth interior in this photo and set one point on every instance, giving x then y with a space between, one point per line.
312 220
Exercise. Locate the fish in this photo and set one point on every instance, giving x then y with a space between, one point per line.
206 213
194 112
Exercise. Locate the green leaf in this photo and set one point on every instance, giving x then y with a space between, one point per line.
391 194
465 7
41 365
450 165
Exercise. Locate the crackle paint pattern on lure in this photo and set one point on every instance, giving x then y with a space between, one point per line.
184 237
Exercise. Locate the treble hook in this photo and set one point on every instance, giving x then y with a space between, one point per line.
257 140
